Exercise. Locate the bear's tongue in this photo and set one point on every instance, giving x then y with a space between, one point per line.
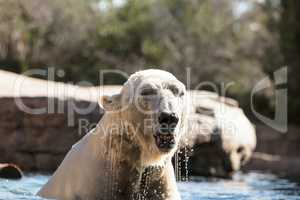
165 141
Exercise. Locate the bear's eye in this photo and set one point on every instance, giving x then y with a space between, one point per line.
174 89
148 92
182 93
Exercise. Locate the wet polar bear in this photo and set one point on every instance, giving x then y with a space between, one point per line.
128 155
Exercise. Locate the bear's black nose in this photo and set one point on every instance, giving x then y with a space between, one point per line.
168 121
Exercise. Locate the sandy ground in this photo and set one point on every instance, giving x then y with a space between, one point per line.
14 85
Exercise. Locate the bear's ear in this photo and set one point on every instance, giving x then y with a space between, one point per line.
110 102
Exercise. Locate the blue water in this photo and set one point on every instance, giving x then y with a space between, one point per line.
251 186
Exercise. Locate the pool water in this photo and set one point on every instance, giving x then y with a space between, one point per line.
251 186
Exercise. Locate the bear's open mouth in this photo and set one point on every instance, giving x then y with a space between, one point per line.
165 142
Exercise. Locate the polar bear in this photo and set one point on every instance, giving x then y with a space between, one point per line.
220 137
128 155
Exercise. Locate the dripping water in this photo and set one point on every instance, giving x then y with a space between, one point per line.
186 160
176 165
181 162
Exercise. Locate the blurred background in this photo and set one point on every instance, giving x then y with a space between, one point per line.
225 42
238 41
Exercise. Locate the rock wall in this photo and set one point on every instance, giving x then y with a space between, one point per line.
40 141
277 153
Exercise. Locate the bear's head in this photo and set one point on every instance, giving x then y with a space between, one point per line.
152 105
